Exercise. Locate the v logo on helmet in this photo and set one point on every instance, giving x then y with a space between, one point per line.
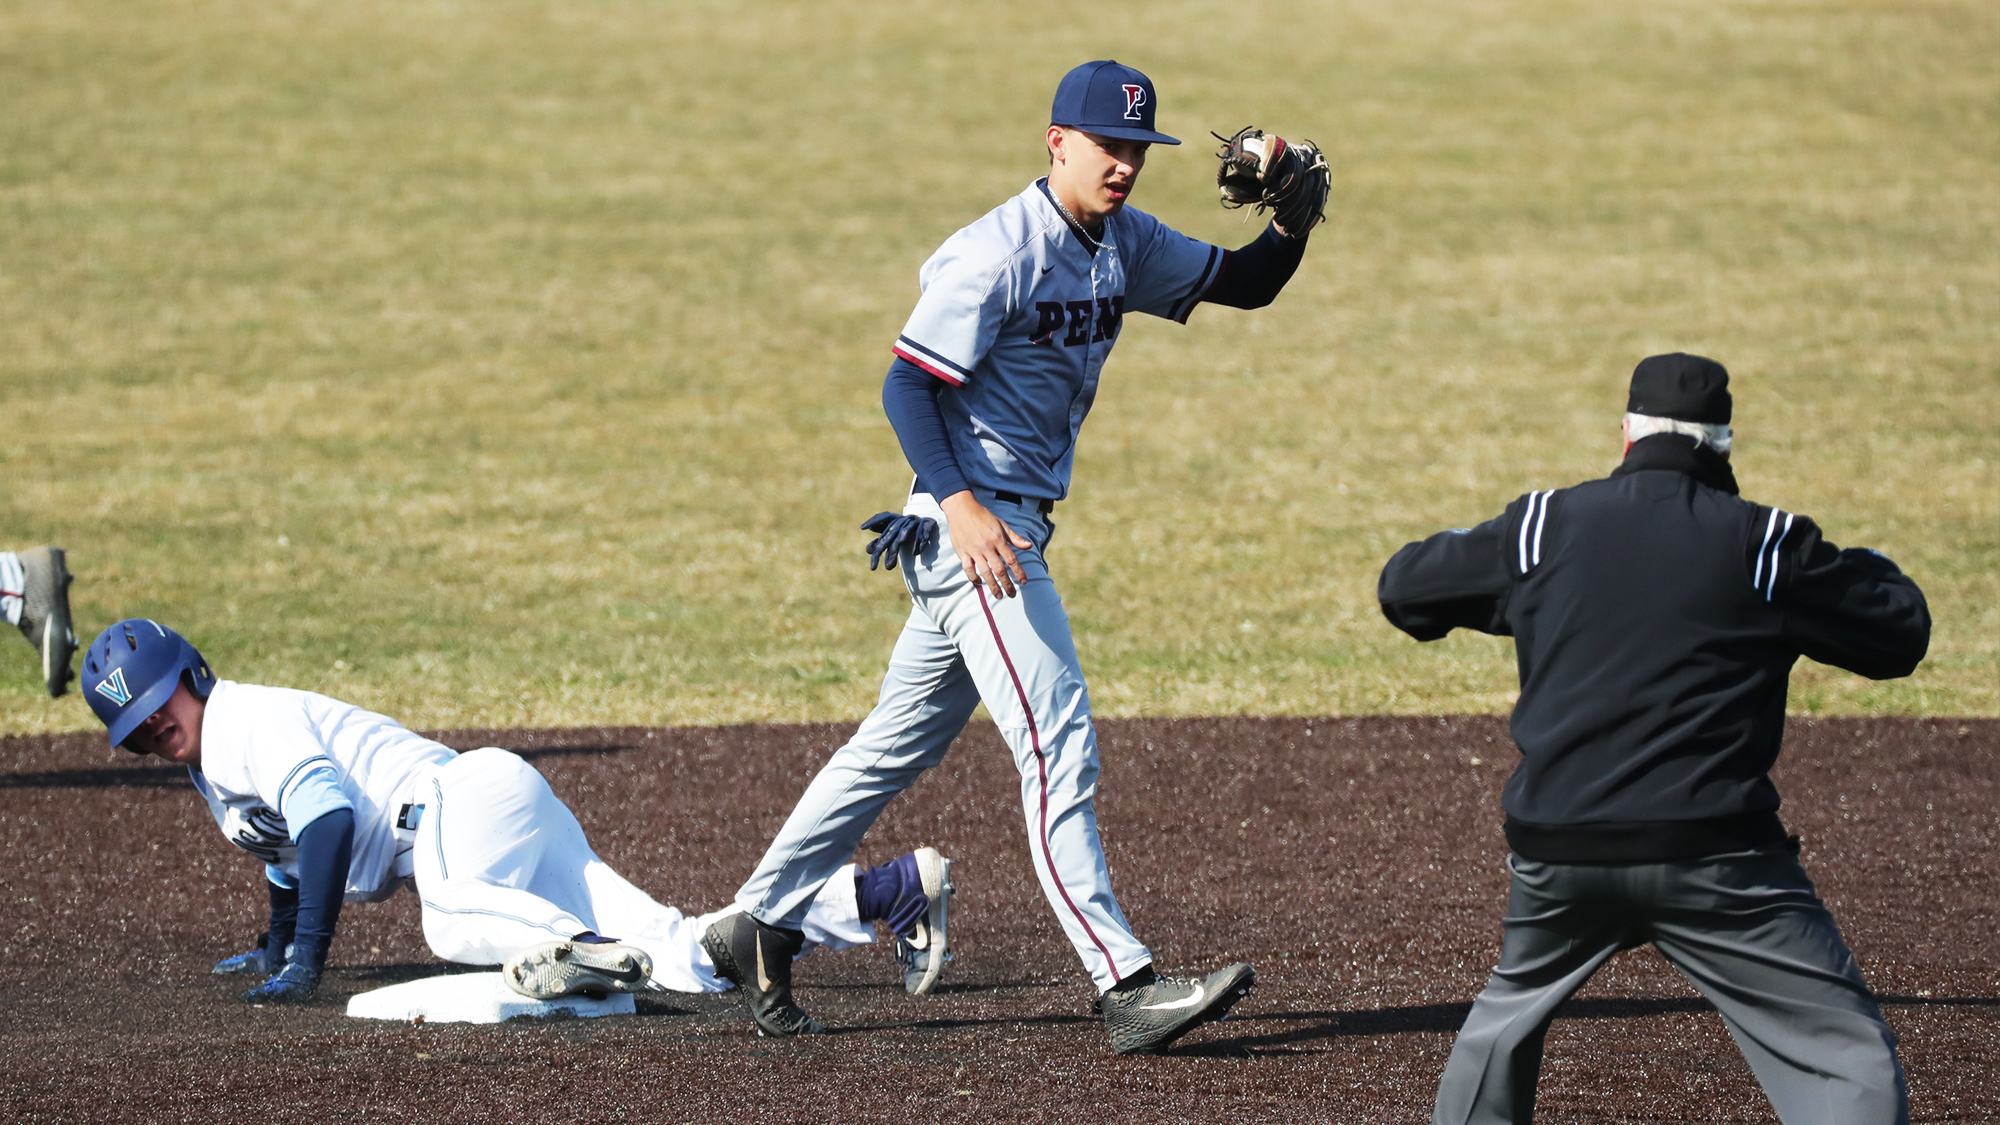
1135 96
113 688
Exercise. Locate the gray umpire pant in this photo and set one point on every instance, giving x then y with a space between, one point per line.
1746 928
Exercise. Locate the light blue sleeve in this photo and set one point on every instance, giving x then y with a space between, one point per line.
311 792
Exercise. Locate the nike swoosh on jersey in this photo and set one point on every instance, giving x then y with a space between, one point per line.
1200 994
763 979
1046 269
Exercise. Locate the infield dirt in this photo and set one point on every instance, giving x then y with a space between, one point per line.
1356 862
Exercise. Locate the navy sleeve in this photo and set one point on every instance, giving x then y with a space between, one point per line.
1252 276
284 919
1453 580
325 847
1853 609
909 398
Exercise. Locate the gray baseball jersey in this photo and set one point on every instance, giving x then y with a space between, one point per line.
1018 314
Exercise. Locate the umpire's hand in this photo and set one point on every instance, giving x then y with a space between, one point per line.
985 545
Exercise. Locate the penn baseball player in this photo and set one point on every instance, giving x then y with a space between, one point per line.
34 597
345 805
993 376
1657 615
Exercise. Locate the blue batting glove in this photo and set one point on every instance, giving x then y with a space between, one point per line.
894 534
294 984
254 961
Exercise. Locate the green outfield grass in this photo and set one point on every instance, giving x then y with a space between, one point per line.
496 363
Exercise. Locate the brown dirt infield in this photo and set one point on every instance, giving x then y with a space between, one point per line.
1356 862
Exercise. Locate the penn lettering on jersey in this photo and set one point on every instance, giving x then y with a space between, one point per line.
1084 327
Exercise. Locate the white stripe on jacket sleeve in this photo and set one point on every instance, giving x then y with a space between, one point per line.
1770 525
1771 583
1530 521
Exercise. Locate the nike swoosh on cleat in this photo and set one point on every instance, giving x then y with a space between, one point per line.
763 979
1199 995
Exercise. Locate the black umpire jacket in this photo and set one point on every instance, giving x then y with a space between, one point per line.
1656 616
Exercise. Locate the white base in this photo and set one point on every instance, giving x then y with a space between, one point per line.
474 998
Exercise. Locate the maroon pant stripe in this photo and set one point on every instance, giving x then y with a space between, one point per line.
1042 767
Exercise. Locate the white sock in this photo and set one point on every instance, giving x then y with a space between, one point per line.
13 584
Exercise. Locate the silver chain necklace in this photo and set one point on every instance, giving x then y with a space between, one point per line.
1090 239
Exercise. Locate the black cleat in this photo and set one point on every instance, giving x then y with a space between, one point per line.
1145 1012
759 959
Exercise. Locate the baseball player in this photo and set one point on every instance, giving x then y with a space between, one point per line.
345 805
1657 615
34 596
993 375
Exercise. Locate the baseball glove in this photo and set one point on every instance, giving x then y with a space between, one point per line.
1264 170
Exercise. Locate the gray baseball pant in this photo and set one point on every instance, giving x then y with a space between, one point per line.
959 646
1750 933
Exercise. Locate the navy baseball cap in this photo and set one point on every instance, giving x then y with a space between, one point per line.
1110 100
1690 388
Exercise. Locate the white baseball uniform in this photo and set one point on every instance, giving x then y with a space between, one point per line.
497 860
1018 314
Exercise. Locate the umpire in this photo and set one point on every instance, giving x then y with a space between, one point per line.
1656 616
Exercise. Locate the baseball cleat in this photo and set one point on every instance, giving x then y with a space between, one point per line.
925 946
758 958
569 968
45 614
1143 1016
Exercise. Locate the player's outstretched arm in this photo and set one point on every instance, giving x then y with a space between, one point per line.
1252 276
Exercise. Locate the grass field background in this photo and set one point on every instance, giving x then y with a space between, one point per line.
501 364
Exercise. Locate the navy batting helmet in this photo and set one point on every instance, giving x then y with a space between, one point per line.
131 670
